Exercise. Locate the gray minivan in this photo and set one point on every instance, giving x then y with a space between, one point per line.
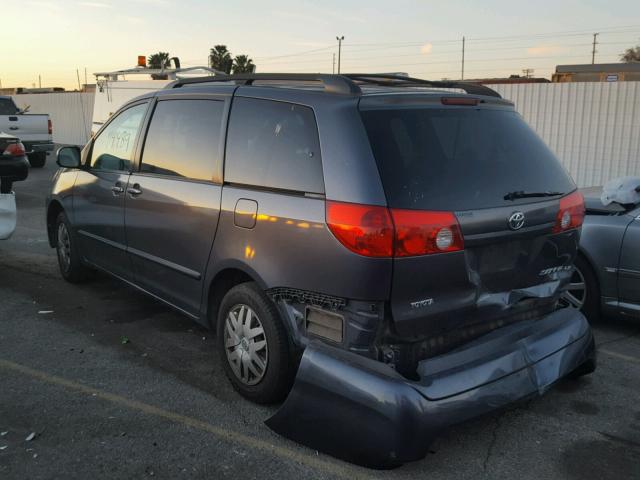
385 252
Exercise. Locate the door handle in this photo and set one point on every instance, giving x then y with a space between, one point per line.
135 190
117 189
13 128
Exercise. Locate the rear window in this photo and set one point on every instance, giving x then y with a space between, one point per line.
459 158
7 107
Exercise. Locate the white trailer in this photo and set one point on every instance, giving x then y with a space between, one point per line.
114 89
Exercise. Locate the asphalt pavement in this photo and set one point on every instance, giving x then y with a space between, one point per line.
100 381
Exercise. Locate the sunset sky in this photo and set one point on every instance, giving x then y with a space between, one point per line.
53 38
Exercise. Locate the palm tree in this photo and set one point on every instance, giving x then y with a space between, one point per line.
158 60
243 64
631 55
220 58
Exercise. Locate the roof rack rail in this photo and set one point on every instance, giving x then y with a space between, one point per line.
331 83
346 84
391 80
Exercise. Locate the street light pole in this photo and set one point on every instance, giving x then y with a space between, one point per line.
462 74
339 50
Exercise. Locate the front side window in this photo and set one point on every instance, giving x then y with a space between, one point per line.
113 148
184 139
274 145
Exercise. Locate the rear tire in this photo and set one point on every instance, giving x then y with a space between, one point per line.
37 159
253 345
71 267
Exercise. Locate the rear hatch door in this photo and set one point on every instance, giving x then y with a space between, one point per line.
503 185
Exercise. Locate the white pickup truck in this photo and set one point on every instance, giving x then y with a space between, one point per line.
34 130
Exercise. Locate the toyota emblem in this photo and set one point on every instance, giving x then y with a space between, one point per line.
516 221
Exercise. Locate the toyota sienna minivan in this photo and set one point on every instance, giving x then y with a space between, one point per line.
386 254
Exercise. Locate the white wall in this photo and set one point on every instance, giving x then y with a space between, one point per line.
594 128
70 113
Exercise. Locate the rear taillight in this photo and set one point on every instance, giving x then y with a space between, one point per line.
363 229
50 127
15 149
375 231
571 213
423 233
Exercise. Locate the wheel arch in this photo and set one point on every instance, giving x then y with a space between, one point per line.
589 260
227 275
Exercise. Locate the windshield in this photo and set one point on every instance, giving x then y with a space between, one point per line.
460 158
7 107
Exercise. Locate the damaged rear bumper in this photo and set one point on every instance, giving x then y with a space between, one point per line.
364 412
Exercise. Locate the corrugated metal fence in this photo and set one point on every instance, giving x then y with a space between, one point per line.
70 113
594 128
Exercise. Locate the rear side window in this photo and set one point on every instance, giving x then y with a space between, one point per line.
459 158
274 145
7 107
183 139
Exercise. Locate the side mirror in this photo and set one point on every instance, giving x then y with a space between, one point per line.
69 157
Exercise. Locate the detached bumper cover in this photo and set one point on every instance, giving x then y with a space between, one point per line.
364 412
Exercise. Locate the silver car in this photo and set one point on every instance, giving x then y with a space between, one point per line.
607 276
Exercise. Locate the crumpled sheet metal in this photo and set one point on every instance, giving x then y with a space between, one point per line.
363 411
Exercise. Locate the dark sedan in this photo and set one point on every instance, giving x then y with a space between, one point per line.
607 276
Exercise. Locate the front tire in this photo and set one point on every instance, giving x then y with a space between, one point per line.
253 345
37 159
71 267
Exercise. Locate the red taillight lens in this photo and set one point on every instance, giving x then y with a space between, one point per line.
379 232
571 213
15 149
363 229
50 126
423 233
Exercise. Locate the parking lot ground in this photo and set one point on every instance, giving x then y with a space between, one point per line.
115 385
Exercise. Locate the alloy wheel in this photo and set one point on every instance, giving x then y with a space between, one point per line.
64 246
576 293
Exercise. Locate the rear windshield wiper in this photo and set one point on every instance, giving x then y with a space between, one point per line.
523 194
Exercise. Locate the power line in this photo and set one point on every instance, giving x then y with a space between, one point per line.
297 53
447 52
471 40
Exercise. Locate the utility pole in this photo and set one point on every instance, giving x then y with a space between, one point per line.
334 63
528 72
39 81
593 51
340 39
462 76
